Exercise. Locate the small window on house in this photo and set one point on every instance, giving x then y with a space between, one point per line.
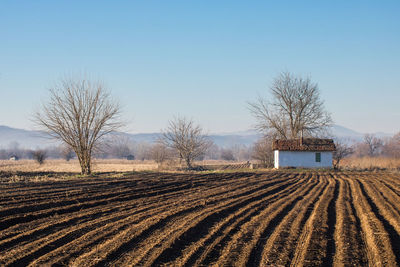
317 157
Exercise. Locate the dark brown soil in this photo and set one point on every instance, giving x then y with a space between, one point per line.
223 219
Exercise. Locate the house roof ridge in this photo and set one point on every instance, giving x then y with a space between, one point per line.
304 144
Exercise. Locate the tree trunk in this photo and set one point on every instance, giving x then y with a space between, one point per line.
188 163
336 164
85 162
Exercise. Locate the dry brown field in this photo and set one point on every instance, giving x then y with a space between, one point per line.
287 218
60 165
371 163
109 165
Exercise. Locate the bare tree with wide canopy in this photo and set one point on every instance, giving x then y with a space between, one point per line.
187 139
295 109
80 113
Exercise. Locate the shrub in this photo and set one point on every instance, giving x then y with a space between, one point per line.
39 156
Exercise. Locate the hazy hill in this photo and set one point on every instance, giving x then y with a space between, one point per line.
343 132
24 138
222 140
36 139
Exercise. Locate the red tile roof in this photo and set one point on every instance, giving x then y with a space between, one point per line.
307 144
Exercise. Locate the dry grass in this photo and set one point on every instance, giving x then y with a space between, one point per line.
371 163
101 165
121 165
58 165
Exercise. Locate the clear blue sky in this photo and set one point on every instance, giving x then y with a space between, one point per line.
204 59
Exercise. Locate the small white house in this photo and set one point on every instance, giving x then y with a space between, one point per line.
305 153
13 158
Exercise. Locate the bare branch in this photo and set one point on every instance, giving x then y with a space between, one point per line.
79 113
39 156
296 108
374 144
187 138
262 151
342 151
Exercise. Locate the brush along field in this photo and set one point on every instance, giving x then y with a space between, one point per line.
60 165
111 165
222 219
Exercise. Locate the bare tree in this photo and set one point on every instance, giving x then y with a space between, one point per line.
160 153
186 138
391 147
120 146
143 151
79 113
227 154
342 150
66 152
262 152
373 143
295 109
39 155
360 149
241 152
213 152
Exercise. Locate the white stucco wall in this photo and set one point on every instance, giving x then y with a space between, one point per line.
304 159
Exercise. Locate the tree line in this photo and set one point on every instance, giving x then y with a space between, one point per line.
81 113
370 146
122 147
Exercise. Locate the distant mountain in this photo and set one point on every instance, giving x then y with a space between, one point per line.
230 140
36 139
240 133
222 140
346 133
338 130
23 138
143 137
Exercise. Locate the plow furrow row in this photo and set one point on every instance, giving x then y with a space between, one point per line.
280 218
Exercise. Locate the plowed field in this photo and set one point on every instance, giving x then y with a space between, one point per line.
229 219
